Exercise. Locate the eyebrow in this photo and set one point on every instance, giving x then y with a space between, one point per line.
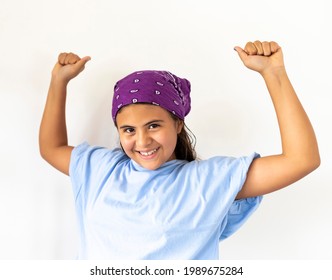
147 124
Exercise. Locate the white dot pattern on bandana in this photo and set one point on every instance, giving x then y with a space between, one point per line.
160 88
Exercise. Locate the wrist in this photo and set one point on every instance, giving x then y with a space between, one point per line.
276 72
58 82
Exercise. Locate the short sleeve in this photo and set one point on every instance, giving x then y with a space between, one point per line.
221 179
90 164
238 214
240 210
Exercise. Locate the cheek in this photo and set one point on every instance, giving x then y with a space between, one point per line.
126 144
168 140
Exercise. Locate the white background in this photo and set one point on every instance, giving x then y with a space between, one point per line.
231 111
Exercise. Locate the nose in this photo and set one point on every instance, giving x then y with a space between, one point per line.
143 139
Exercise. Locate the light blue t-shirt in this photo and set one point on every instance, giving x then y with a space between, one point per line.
179 211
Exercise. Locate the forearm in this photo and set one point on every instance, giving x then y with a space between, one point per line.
297 135
53 131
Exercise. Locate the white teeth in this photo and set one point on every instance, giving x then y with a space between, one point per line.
148 153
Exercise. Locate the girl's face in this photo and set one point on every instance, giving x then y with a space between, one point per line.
148 134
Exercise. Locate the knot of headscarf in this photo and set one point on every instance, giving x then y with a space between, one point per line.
160 88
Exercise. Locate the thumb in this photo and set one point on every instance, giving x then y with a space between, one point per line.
242 54
81 63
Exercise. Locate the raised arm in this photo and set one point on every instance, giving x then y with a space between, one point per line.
53 142
300 154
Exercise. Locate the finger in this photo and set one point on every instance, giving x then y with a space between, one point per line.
266 48
274 47
259 47
64 58
81 63
250 48
86 59
61 58
242 54
68 58
71 58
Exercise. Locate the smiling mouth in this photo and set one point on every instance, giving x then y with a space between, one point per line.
146 154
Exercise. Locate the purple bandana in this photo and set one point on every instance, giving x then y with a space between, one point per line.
159 88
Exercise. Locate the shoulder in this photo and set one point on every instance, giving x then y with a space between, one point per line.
85 149
88 156
220 173
226 163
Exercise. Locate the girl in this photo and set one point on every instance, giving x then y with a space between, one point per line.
153 199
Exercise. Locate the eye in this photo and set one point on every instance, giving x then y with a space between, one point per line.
129 130
153 125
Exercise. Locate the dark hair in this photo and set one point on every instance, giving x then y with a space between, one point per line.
185 144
